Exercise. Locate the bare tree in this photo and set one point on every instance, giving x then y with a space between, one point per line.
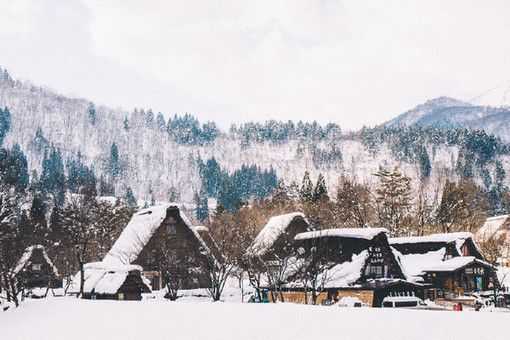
492 248
354 205
12 246
219 267
77 220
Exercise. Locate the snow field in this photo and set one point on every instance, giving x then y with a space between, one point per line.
70 318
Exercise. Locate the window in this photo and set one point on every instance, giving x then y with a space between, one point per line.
374 271
36 267
171 228
406 303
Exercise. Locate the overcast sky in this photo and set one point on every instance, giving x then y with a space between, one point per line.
352 62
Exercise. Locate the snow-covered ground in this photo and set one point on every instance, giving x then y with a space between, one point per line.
70 318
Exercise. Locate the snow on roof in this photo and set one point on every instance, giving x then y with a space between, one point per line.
27 254
201 228
136 235
102 278
412 265
275 227
365 233
139 231
347 273
491 226
433 238
454 264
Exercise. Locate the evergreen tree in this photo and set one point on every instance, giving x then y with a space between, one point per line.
14 168
393 197
114 163
53 179
202 207
130 199
5 123
320 192
92 113
306 192
424 162
160 122
126 123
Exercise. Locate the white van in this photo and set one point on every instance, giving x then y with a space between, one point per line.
403 302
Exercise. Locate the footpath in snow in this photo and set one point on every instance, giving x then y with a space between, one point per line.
69 318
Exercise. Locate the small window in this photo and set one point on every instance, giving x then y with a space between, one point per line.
36 267
171 228
406 304
387 304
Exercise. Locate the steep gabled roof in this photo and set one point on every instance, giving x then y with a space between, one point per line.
433 242
433 238
413 264
274 228
138 232
102 278
455 263
27 254
364 233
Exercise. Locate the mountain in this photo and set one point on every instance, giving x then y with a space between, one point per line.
155 157
447 112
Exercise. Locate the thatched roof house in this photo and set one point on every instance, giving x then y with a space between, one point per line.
360 264
449 264
153 231
278 234
102 281
36 269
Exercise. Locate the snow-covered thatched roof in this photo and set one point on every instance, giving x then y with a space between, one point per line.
412 265
347 273
275 227
364 233
27 255
139 231
433 238
102 278
455 264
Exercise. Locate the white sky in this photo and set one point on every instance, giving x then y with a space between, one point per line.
352 62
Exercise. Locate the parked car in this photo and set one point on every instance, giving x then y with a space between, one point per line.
350 301
403 302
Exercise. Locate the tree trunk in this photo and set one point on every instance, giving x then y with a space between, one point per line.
82 275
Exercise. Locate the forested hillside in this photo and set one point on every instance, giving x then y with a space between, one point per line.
141 155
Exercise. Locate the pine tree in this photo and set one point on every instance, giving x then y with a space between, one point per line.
92 113
160 122
130 199
393 197
320 192
114 164
126 123
53 179
306 192
5 123
202 207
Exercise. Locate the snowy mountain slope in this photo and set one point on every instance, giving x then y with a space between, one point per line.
154 163
449 112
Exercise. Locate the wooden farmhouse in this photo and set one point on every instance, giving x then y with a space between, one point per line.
449 265
276 239
497 228
36 269
102 281
360 264
161 237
